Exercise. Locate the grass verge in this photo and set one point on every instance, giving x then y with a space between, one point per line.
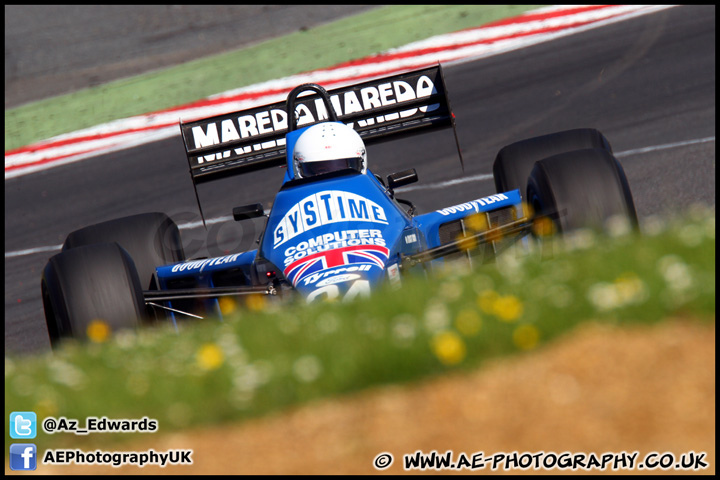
267 357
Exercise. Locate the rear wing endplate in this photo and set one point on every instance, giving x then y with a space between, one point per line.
252 139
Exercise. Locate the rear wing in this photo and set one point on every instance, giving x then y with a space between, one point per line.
252 139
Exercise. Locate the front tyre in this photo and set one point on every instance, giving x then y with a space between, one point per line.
514 162
91 283
151 239
585 187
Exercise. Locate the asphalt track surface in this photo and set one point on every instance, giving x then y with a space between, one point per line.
56 49
647 83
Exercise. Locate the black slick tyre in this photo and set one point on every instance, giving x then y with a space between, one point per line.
585 187
151 239
91 283
514 162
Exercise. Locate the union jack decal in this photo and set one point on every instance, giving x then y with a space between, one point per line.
372 254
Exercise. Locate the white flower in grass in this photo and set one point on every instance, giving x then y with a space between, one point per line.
403 329
691 235
437 317
676 272
561 296
307 368
618 226
627 289
125 339
9 366
247 378
265 370
451 290
709 226
603 296
229 344
23 385
581 239
328 323
510 267
698 212
654 225
66 374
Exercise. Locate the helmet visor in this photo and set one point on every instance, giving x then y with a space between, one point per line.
310 169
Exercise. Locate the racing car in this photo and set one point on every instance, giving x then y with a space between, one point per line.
335 229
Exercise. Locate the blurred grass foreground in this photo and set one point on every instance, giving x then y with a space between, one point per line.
270 356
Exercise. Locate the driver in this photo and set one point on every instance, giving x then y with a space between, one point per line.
328 147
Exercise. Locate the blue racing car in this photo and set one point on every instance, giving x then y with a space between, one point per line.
335 229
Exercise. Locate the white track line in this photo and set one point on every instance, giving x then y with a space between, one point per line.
429 186
30 251
637 151
487 176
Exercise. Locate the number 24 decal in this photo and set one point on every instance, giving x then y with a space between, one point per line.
358 288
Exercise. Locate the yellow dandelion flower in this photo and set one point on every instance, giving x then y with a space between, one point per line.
526 337
448 347
495 237
508 308
209 356
476 222
543 226
468 322
528 210
98 331
486 300
227 305
138 384
255 302
46 407
630 289
466 243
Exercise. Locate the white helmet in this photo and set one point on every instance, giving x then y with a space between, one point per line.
328 147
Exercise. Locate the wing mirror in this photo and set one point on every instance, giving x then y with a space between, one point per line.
400 179
248 211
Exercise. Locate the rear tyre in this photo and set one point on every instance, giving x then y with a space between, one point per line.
586 188
91 283
514 162
151 239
